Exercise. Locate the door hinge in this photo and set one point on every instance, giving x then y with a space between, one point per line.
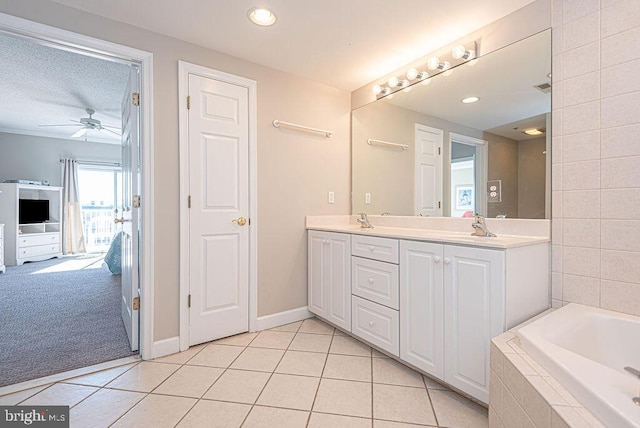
249 221
136 201
135 305
188 102
135 98
189 301
439 204
189 201
439 150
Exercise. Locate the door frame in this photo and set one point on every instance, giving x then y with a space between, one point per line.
98 48
481 165
184 69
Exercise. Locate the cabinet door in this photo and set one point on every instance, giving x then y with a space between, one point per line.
421 310
317 258
329 277
474 313
338 276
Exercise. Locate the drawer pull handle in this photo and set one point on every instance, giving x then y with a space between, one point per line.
446 261
436 259
372 248
371 323
370 280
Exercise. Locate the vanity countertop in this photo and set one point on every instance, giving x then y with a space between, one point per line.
432 235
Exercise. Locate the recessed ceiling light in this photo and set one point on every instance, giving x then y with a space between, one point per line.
470 100
260 16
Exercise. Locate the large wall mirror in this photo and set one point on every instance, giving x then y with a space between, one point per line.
453 158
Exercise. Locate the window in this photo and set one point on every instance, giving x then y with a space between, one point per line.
100 193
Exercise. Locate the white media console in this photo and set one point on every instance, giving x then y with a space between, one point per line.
30 241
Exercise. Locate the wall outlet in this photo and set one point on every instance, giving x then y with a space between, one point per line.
494 191
331 198
367 198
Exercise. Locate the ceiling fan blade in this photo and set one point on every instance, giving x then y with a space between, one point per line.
108 131
112 127
79 133
70 124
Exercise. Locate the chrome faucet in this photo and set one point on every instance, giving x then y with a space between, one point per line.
385 213
364 221
480 228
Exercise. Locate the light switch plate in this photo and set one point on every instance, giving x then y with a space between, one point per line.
367 198
494 191
332 198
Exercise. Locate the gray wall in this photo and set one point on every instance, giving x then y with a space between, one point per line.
38 158
532 170
295 171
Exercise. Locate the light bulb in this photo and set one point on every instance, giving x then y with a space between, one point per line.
263 17
393 82
470 100
433 63
422 75
444 65
412 73
385 91
458 52
403 83
376 89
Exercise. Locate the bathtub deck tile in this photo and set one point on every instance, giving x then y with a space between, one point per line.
547 392
570 416
520 364
515 345
587 416
534 365
504 337
503 347
564 394
535 406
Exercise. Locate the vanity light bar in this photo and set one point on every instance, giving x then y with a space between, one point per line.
459 54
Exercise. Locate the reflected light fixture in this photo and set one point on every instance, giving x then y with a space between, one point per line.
435 64
262 17
470 100
535 131
377 89
393 82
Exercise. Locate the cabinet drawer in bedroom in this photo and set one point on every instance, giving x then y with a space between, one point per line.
40 250
32 241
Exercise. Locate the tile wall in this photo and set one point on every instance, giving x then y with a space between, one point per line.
596 154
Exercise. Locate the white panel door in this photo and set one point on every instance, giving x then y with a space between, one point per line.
428 171
219 228
474 313
130 215
421 309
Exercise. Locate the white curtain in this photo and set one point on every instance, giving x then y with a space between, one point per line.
72 232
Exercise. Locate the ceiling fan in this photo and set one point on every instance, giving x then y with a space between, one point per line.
89 124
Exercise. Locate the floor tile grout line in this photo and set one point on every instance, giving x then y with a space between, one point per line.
129 409
372 394
324 366
271 376
433 408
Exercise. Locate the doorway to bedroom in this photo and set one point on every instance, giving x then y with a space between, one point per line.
63 309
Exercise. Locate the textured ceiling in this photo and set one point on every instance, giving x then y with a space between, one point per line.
42 85
344 43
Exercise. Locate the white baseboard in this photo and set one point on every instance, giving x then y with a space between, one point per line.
165 347
282 318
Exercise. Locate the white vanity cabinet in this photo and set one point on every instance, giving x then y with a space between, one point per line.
434 305
329 280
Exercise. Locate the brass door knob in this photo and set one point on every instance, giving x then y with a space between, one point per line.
241 221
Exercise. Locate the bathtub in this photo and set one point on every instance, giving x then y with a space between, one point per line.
586 349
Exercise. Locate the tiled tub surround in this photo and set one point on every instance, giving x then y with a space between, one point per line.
305 374
523 394
586 349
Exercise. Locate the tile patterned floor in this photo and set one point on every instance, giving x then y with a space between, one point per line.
305 374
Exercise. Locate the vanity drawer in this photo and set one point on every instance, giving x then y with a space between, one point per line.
39 250
375 281
376 324
370 247
32 241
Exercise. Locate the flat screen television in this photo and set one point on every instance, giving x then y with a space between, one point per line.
33 211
